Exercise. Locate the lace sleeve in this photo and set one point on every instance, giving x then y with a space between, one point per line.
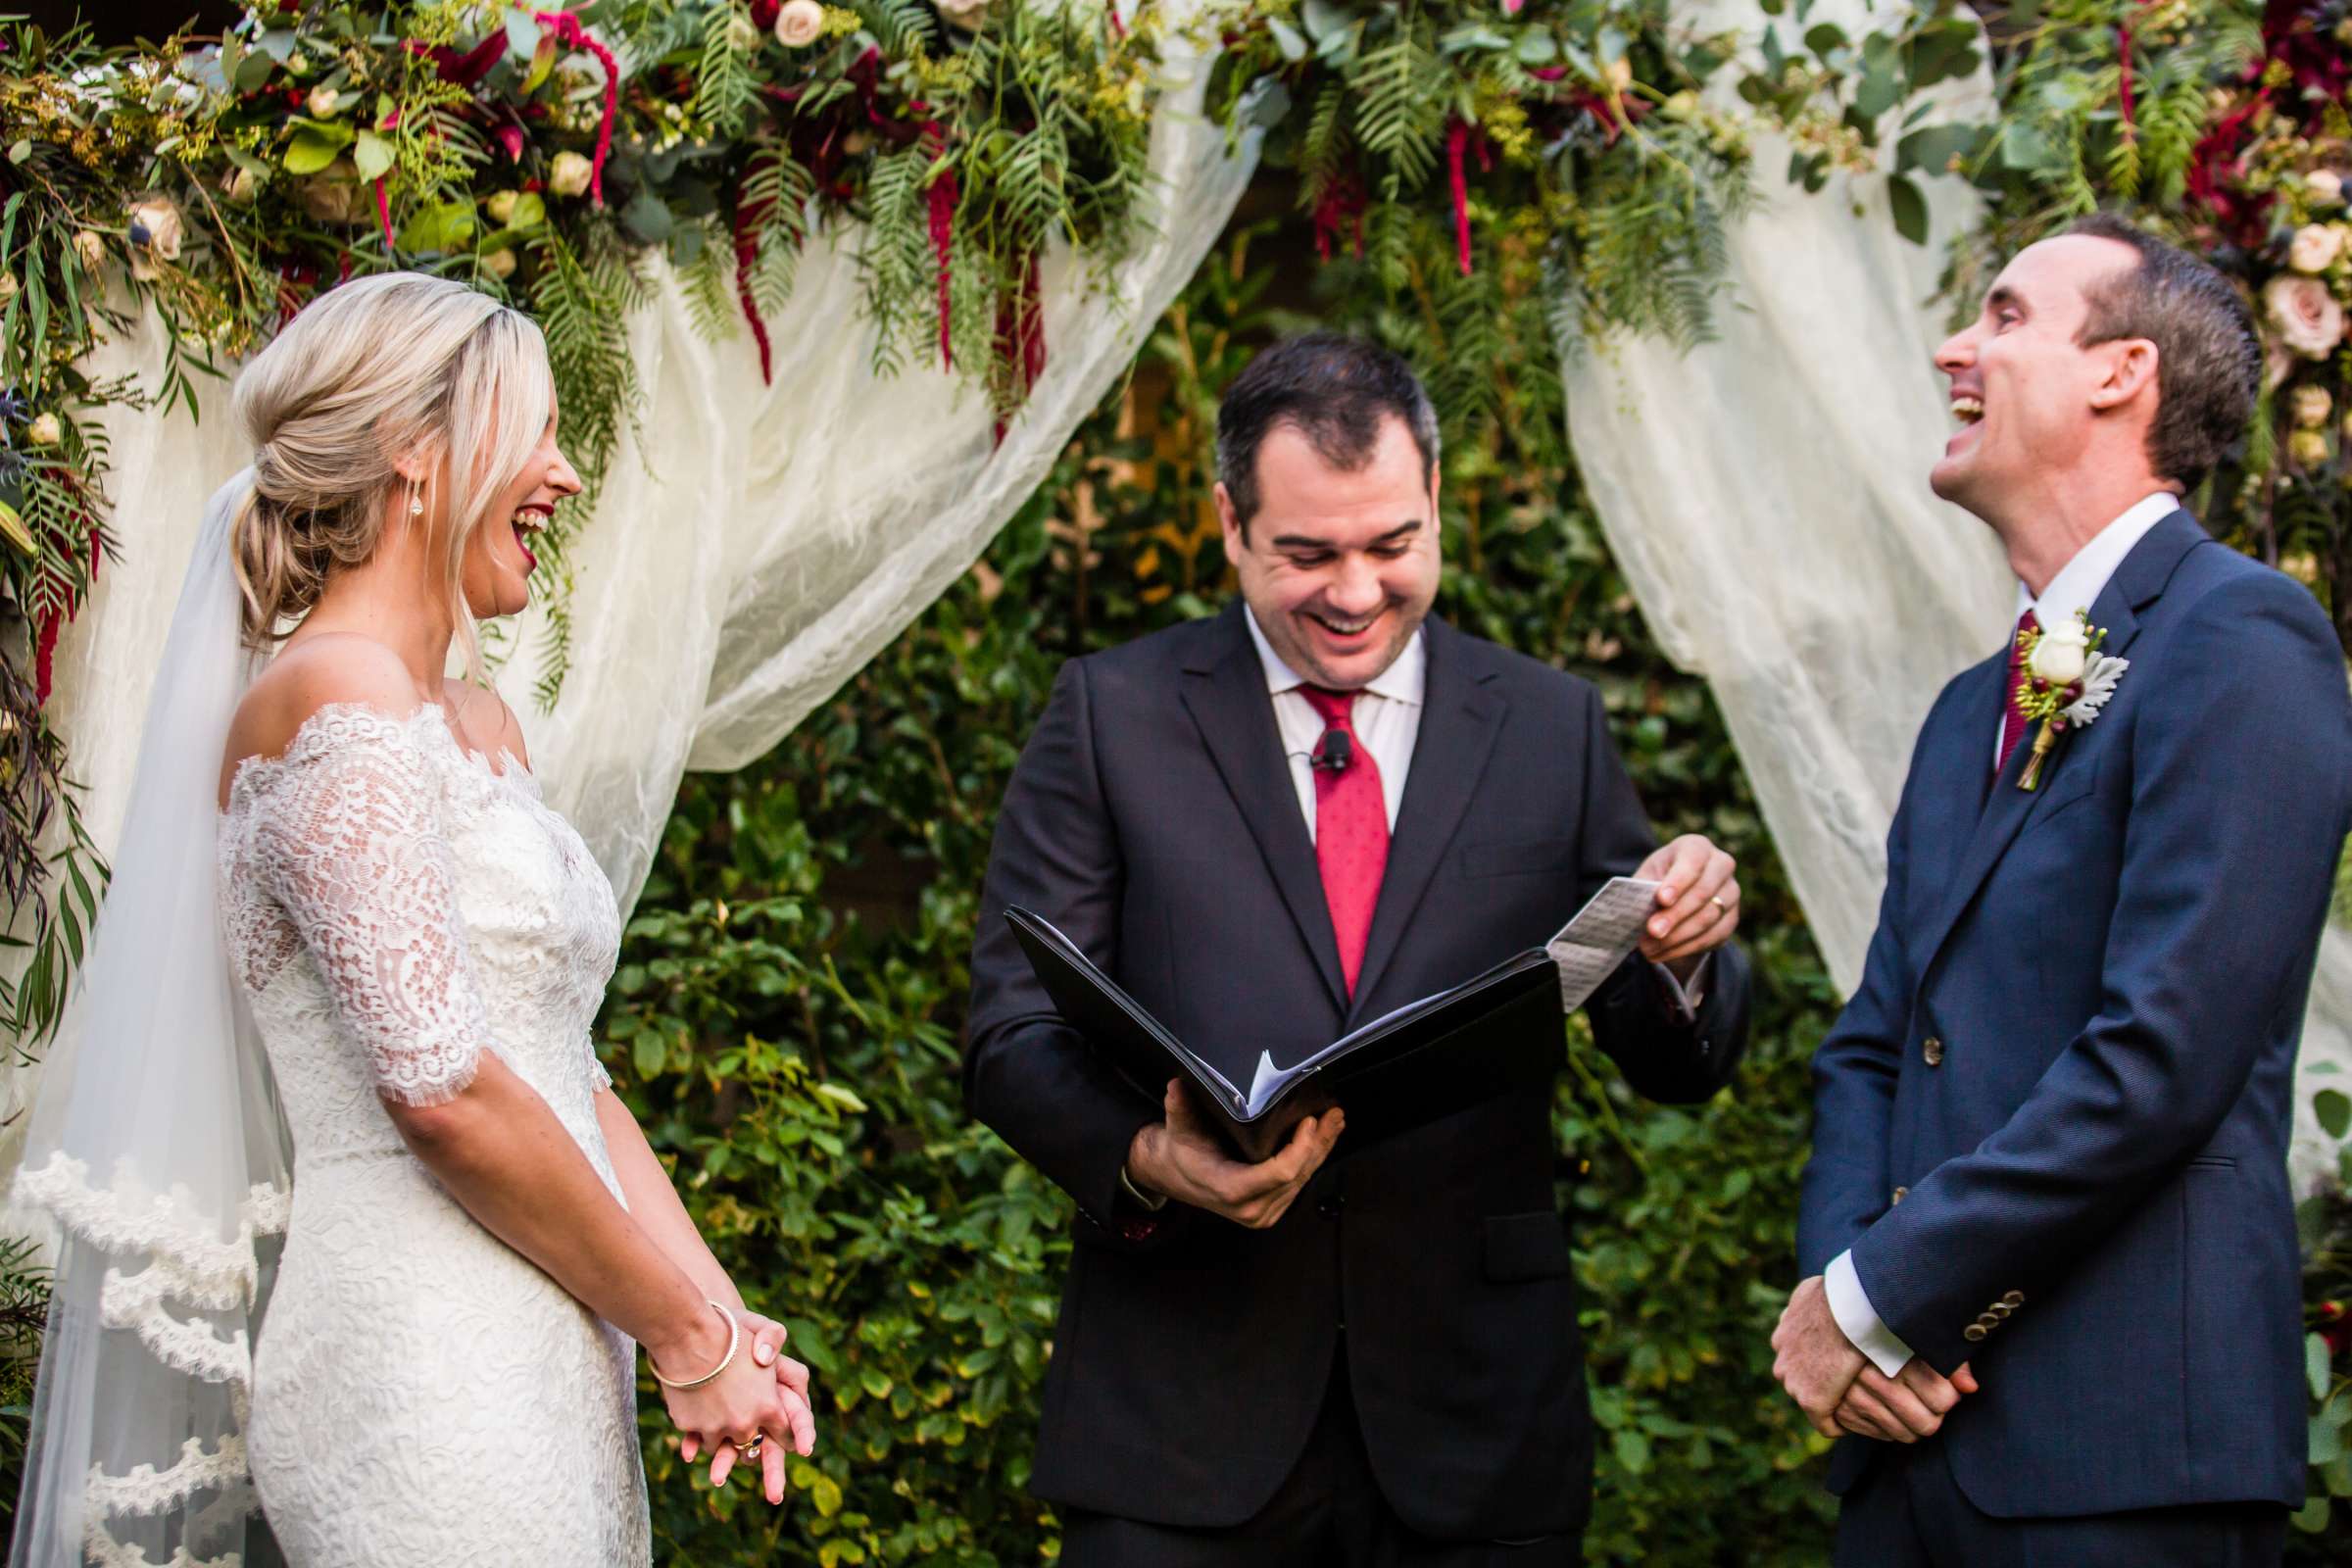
347 840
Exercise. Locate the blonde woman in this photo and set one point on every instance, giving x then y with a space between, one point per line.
478 1229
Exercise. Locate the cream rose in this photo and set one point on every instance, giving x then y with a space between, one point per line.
154 234
90 246
964 14
2312 405
2308 449
2306 315
323 101
799 23
2326 185
2315 248
569 173
2061 653
45 431
500 263
329 197
501 206
240 187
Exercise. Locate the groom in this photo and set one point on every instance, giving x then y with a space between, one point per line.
1373 1357
2051 1281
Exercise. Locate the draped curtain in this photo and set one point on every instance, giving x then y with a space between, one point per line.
754 544
1766 496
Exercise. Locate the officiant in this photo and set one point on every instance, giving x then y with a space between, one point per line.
1274 825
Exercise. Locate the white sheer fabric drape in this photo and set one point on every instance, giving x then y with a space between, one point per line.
758 546
1766 496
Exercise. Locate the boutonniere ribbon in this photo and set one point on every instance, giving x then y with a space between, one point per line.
2063 682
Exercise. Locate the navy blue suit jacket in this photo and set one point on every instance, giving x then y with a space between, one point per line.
2072 1054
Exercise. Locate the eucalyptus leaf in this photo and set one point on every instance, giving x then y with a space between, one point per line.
373 156
2334 1111
1537 47
310 152
1824 38
252 71
277 43
523 33
2315 1364
648 217
1287 39
1910 209
1324 19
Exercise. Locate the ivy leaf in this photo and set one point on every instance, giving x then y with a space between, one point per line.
1910 209
373 156
2334 1111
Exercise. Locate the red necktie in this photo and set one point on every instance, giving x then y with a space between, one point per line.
2013 717
1351 833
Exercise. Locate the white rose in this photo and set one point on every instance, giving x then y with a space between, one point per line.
2314 248
45 431
322 101
2061 653
568 176
964 14
2326 185
501 206
240 187
799 23
2307 316
154 235
2312 405
500 263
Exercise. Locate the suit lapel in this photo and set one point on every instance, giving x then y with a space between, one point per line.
2137 583
1460 718
1225 691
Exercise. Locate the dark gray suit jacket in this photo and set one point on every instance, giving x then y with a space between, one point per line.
1154 819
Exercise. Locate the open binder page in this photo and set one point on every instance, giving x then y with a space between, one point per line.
1591 946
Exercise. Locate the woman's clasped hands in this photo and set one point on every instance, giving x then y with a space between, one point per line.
746 1411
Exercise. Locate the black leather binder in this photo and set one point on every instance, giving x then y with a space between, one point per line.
1444 1054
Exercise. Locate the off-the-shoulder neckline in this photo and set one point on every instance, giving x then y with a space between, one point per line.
507 769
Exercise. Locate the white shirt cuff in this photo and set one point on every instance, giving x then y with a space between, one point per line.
1850 1305
1688 995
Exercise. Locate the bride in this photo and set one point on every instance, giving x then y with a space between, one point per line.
473 1230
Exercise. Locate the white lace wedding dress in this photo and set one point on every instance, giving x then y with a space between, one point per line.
422 1395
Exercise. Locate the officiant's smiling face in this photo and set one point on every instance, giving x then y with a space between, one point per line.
1338 564
2025 388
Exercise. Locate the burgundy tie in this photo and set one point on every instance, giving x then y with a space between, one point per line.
1351 833
2013 717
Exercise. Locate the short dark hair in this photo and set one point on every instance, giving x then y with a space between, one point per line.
1332 389
2208 356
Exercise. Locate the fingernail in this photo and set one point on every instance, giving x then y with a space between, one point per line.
1668 894
762 1354
1657 927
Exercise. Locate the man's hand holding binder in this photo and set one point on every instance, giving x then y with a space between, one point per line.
1182 1157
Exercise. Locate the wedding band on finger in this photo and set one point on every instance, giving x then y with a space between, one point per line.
747 1451
1720 905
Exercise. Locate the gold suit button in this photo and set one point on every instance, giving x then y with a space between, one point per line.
1972 1333
1931 1048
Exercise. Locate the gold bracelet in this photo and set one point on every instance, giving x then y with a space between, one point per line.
734 1341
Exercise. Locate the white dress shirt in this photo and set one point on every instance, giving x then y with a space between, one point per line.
1387 719
2075 588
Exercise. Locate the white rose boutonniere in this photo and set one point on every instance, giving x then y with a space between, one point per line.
2064 682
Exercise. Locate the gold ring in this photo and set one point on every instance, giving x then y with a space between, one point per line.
1720 905
747 1451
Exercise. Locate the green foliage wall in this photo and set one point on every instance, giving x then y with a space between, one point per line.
786 1017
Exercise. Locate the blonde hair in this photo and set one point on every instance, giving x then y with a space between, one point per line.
378 370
